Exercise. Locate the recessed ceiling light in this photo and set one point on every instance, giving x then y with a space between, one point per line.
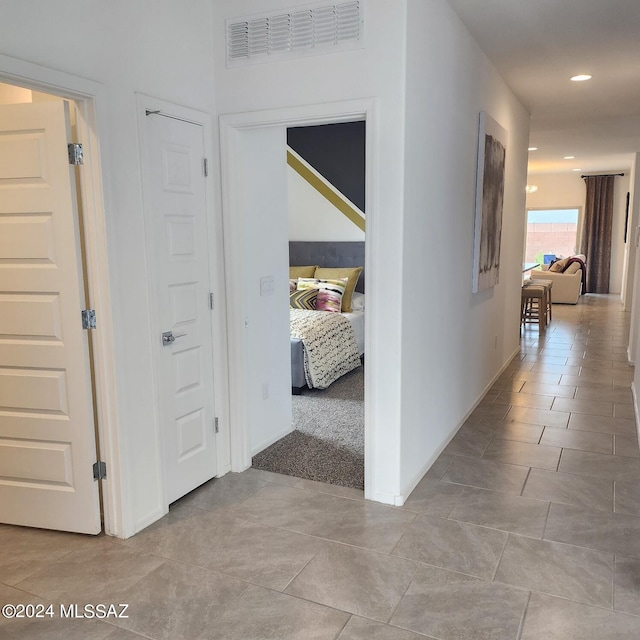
531 188
569 157
576 169
532 149
581 78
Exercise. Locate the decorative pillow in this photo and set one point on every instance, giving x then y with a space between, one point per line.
330 292
351 273
302 272
293 283
304 299
357 301
559 265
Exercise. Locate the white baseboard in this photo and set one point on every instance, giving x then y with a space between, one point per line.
399 500
269 441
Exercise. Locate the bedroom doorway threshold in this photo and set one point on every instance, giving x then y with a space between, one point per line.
327 444
249 425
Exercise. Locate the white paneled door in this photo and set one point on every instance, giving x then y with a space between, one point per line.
176 216
47 434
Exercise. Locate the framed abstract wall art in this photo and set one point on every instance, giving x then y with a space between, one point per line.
492 145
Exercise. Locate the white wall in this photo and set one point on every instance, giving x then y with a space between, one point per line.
432 352
631 296
454 342
164 48
161 48
628 272
632 289
375 72
568 190
313 217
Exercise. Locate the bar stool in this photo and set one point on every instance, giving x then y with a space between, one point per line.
532 302
547 284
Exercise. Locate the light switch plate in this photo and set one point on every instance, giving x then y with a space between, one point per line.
267 287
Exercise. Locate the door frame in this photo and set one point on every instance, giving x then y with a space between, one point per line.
88 97
218 318
232 126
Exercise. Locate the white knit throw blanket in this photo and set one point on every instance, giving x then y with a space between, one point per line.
330 348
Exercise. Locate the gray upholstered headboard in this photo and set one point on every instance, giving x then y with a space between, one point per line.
329 254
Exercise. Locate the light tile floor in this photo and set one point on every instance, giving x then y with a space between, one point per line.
527 527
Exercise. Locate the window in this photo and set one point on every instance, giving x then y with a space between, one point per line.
551 232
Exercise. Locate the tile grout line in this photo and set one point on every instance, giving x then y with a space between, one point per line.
524 484
523 618
546 520
504 546
344 626
306 564
557 469
613 582
404 593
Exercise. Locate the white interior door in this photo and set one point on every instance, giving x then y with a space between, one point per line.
47 436
175 206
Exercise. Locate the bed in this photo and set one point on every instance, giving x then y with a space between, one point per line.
328 255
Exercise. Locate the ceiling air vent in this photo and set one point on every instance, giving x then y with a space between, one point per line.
306 31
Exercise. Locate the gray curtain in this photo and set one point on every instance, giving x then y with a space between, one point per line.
596 232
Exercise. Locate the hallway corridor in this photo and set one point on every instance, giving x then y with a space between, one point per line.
527 527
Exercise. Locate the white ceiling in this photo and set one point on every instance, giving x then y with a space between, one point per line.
537 45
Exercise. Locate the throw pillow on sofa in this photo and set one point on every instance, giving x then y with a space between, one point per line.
559 265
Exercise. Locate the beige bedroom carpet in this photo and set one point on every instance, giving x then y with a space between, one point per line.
327 444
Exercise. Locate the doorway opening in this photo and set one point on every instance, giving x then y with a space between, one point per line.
326 171
41 119
255 214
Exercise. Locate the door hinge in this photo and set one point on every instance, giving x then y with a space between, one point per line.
211 301
99 470
205 166
88 319
216 425
75 153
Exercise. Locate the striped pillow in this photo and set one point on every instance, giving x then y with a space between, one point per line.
329 292
351 273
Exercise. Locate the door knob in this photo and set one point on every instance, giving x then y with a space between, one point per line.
169 338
